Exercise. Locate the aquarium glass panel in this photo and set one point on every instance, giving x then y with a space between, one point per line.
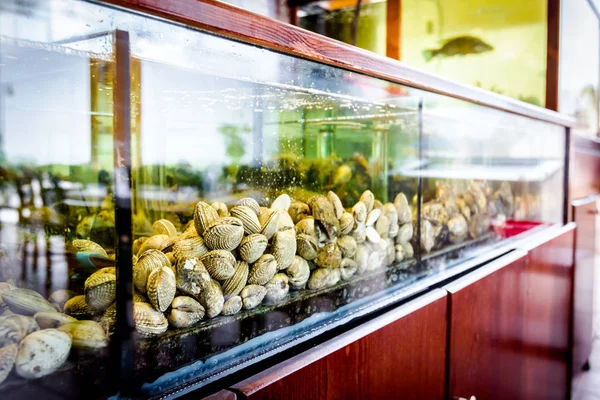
499 45
57 222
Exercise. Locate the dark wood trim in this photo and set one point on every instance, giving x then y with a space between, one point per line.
222 395
393 29
552 54
233 22
288 367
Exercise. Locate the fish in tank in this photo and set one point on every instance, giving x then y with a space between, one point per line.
458 46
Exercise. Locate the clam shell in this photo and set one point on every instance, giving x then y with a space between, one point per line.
248 217
204 215
323 212
85 334
362 258
148 321
399 253
368 199
78 308
221 208
372 235
372 217
42 352
408 250
137 244
281 203
234 285
13 328
249 202
338 207
147 262
390 252
277 288
164 227
346 223
347 245
220 264
48 319
306 227
156 242
101 288
283 247
402 209
263 270
224 234
185 312
405 233
360 212
88 246
252 247
306 246
458 228
389 210
378 205
285 221
211 298
192 247
298 273
330 256
8 356
298 211
5 287
26 302
348 268
109 318
192 276
427 236
60 297
252 296
382 226
232 306
323 277
269 222
161 288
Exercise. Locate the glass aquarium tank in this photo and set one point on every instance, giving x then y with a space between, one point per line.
176 205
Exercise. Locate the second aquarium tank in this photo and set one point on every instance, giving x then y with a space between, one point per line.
176 205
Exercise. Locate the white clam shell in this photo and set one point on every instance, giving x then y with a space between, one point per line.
42 353
281 203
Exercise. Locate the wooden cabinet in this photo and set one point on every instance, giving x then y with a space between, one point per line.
401 354
509 324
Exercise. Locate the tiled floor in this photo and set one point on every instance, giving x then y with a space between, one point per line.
586 386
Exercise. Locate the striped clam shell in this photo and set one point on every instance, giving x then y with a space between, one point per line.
192 276
347 245
88 246
283 248
306 226
156 242
161 288
234 285
346 223
185 312
8 356
232 306
42 352
252 296
146 263
252 247
306 246
368 199
101 288
220 264
211 298
277 288
49 319
249 202
338 207
224 234
298 211
192 247
148 321
85 334
78 308
329 256
13 328
221 208
323 277
263 270
269 222
298 273
5 287
347 268
164 227
248 217
26 302
204 215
